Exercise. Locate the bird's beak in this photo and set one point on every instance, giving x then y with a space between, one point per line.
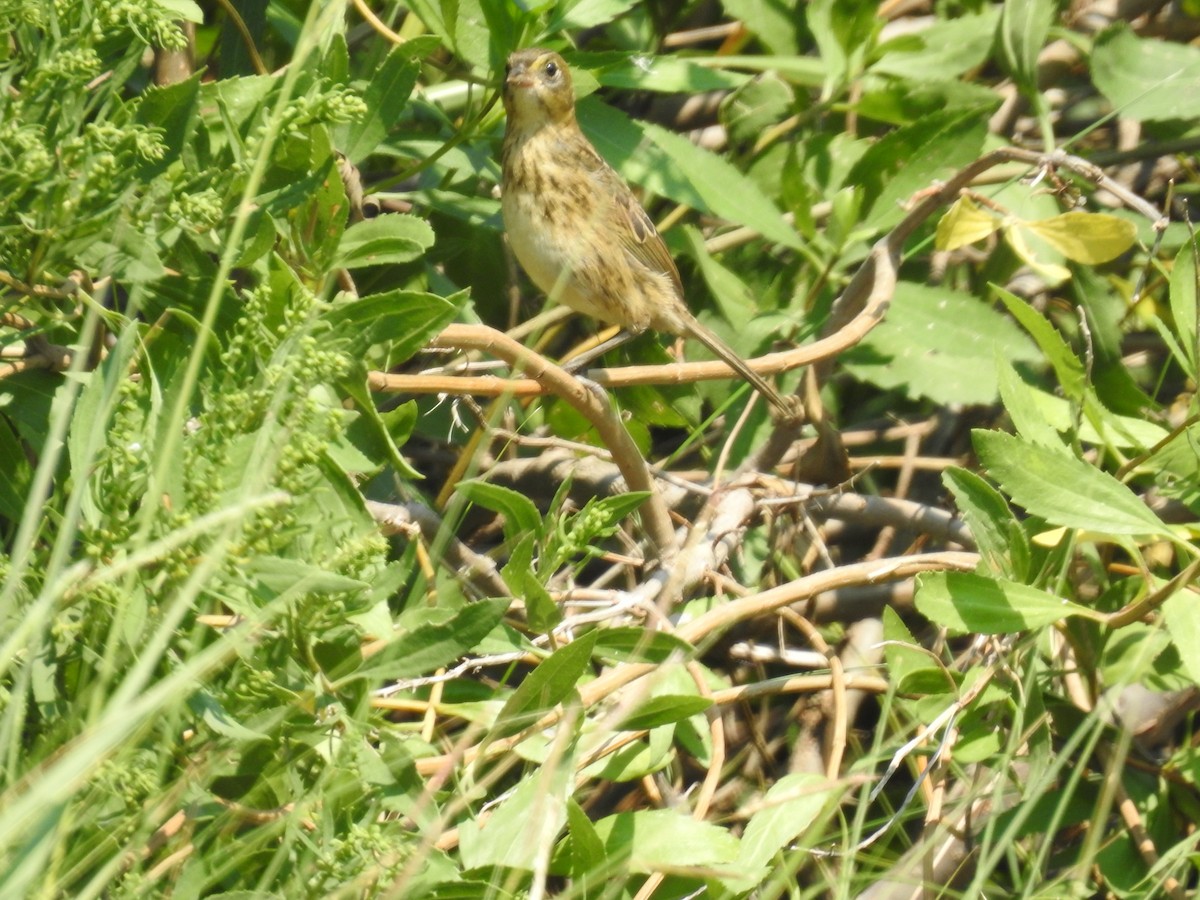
518 76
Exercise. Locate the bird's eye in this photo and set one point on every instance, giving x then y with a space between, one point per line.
551 68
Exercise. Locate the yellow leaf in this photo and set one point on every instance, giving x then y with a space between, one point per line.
964 223
1088 238
1051 273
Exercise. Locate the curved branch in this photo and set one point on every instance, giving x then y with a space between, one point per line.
595 407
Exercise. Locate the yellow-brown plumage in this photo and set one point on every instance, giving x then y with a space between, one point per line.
574 225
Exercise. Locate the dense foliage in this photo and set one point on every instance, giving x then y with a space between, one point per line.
303 594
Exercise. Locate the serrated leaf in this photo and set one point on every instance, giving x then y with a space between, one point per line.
1067 367
1021 403
400 321
676 168
909 159
1089 238
1148 79
383 240
965 223
586 848
966 603
1064 490
931 343
901 651
944 50
999 537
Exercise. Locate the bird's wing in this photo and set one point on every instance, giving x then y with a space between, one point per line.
642 239
638 234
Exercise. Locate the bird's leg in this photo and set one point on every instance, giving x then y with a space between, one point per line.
575 363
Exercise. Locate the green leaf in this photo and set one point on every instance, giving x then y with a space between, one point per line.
437 641
902 651
1064 490
402 322
665 709
1185 305
385 96
1148 79
802 70
387 239
173 110
785 815
282 576
518 573
546 686
635 760
379 436
1021 403
1067 367
584 844
18 475
1182 615
1024 26
999 537
931 343
678 169
587 14
758 104
776 25
943 51
966 603
664 840
214 715
661 72
521 516
726 191
640 645
910 159
182 9
524 825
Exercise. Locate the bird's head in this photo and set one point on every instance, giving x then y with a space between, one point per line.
537 89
